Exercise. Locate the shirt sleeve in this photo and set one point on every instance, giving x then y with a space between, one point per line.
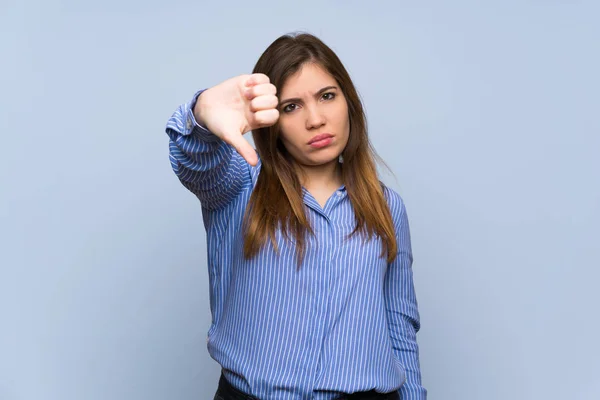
206 165
402 311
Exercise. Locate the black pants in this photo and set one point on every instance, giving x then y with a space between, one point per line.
228 392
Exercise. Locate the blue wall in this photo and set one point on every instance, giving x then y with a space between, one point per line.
486 112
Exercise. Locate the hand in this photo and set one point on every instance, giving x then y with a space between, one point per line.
236 106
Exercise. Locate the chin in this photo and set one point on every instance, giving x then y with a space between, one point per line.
320 159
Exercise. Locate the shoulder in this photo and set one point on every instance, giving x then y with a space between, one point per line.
394 200
396 204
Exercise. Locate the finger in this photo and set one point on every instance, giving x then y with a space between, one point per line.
264 103
256 79
260 90
243 148
266 118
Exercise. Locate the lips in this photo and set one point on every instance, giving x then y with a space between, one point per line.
320 137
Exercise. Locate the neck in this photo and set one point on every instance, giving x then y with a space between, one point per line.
320 176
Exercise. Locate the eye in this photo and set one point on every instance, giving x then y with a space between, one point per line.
330 94
287 108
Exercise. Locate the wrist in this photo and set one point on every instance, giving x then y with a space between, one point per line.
200 109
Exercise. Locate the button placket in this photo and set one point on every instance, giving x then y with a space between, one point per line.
324 296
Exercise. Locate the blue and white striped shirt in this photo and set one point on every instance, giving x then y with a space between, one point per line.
345 322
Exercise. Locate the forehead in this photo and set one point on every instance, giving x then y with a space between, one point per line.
308 79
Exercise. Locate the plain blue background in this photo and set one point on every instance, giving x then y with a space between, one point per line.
486 112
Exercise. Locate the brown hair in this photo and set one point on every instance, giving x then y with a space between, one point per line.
276 201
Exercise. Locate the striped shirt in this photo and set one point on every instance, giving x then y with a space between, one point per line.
345 322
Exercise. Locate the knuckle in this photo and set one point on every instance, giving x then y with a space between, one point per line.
273 101
255 104
263 77
245 79
267 118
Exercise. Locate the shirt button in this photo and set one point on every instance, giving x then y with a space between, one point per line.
339 193
189 124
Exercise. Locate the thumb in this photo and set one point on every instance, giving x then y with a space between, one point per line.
244 148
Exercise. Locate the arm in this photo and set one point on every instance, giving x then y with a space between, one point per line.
402 311
206 165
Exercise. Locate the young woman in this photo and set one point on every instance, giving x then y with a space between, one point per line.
309 254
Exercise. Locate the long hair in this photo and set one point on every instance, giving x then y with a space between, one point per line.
276 201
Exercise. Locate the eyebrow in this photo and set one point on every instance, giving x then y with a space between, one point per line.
297 99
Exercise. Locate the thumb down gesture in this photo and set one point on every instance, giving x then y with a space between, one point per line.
236 106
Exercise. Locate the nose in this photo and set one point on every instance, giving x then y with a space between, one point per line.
314 117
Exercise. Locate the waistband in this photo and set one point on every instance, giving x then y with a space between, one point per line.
227 392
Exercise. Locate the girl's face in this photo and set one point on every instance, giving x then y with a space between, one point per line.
312 107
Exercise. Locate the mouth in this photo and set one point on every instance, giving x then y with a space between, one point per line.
321 140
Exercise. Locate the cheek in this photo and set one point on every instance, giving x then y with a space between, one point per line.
343 116
287 135
344 122
284 131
